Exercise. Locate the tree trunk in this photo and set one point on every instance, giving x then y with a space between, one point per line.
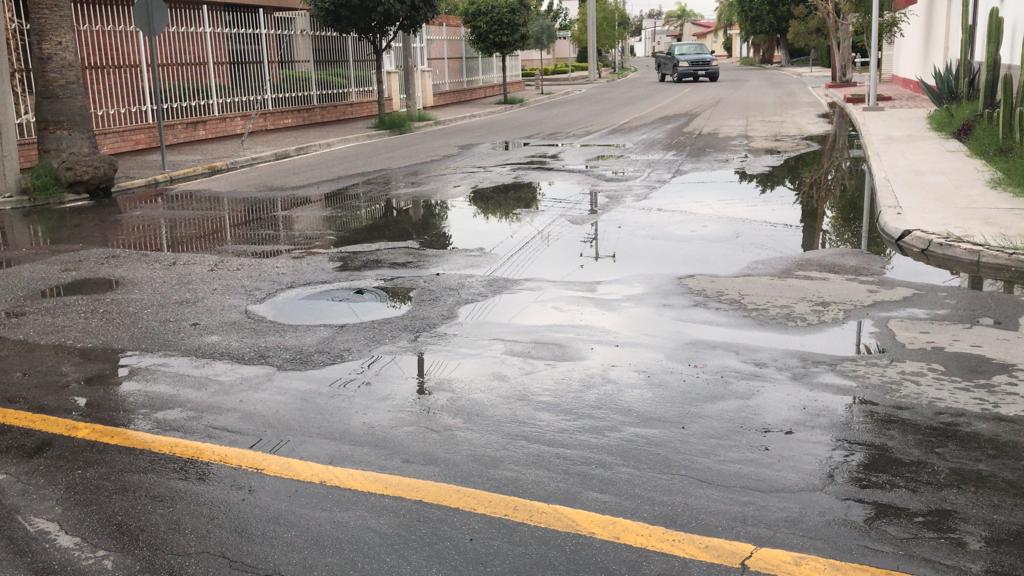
541 73
845 66
409 72
504 78
784 51
64 128
378 65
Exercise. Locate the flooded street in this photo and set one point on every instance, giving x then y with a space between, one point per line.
679 314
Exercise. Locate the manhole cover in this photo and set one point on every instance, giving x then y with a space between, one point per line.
334 305
83 287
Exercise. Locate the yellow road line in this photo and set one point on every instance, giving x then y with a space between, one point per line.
549 516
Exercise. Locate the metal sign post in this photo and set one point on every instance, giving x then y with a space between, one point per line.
151 18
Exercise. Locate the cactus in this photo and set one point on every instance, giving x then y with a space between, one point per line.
1020 82
967 35
1007 111
1019 126
993 62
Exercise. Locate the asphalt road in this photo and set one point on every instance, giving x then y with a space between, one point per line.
618 305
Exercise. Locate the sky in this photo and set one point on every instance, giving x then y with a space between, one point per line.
705 7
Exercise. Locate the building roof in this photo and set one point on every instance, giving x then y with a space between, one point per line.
704 23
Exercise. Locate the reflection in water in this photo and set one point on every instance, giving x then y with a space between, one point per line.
421 376
828 183
252 226
593 238
334 305
505 201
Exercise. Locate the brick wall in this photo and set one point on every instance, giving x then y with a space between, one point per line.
118 140
464 94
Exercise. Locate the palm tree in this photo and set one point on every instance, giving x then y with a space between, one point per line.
64 129
680 15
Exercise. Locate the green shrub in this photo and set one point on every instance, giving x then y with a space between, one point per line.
748 61
529 73
580 66
397 122
42 182
983 142
511 100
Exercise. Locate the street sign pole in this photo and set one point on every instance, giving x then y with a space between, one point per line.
158 98
592 39
151 18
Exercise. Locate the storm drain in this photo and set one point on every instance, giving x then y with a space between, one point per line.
335 305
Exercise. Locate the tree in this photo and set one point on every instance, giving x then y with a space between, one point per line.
542 35
890 22
558 14
766 22
499 27
807 31
680 15
376 23
612 26
838 16
64 131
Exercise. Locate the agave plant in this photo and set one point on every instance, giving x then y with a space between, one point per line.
948 88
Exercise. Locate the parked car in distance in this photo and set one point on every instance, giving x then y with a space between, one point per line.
687 60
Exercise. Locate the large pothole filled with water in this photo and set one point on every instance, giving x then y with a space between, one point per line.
334 304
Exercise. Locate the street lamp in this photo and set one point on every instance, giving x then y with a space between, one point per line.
873 83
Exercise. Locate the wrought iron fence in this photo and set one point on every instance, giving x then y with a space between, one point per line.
218 59
21 67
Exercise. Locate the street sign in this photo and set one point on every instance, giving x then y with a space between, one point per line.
151 18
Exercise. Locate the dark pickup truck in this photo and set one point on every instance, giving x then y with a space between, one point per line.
687 60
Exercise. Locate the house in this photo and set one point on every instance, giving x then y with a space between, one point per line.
932 37
715 38
688 32
656 37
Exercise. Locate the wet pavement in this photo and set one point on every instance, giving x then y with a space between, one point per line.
656 318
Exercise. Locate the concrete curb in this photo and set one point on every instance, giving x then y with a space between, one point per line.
27 202
215 168
932 248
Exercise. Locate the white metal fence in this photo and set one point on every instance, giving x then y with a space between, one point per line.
21 67
455 64
218 59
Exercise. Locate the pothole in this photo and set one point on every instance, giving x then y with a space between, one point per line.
335 304
82 287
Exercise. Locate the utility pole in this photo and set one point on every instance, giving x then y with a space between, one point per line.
592 39
873 86
409 71
10 173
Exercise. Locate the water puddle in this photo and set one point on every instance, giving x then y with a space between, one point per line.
543 225
510 145
82 287
334 304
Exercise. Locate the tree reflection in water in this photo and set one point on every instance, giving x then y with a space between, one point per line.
829 186
423 221
504 201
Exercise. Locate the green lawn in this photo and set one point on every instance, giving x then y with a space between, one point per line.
983 142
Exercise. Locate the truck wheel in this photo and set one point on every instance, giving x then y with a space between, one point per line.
661 77
713 78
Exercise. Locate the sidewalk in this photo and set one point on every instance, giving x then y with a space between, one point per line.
933 197
194 160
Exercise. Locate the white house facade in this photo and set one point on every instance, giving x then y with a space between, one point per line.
933 37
